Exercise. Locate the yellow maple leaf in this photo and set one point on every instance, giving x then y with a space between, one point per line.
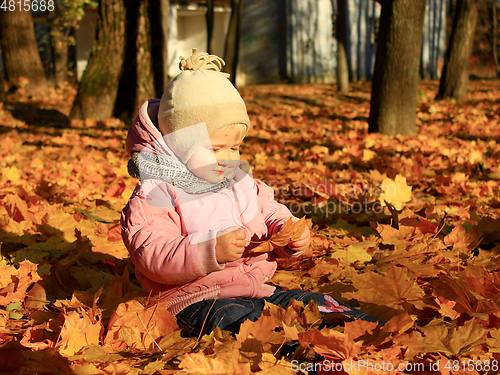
80 330
354 252
60 225
200 364
11 174
102 245
395 192
368 154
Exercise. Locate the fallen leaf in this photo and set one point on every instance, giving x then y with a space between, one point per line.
395 192
15 282
134 326
330 343
392 288
200 364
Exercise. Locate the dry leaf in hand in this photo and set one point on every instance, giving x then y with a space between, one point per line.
289 232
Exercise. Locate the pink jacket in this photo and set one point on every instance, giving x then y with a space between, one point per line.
171 235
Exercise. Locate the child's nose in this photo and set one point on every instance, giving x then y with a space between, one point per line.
225 159
224 162
228 162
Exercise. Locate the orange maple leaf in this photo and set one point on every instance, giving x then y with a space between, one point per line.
459 340
391 289
331 343
253 334
289 232
38 338
463 240
15 282
135 326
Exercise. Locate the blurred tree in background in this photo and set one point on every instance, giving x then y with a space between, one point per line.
494 35
123 66
232 46
485 45
395 79
455 75
99 84
128 62
22 63
62 20
341 36
210 17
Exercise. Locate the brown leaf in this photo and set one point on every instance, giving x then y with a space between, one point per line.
390 289
457 290
38 338
289 232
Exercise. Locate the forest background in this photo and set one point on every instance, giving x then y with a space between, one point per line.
404 213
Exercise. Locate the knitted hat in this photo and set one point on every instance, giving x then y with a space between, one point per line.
200 97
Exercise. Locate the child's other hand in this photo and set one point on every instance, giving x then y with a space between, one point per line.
230 245
302 243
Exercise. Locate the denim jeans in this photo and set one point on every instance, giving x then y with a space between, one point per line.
229 313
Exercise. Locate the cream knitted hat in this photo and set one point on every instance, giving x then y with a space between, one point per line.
198 101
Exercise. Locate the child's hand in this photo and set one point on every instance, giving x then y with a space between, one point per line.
230 246
302 243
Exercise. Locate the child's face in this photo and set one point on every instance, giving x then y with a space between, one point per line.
218 156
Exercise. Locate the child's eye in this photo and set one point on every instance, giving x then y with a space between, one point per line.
235 148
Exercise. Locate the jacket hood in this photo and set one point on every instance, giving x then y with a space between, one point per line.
144 134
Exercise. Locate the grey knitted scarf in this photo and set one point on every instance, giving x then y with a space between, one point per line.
148 165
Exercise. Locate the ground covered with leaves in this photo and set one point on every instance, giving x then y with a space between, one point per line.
405 228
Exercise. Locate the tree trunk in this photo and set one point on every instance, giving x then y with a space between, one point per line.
136 81
99 84
210 26
119 75
494 47
396 75
22 63
455 76
58 46
158 15
340 29
232 46
3 81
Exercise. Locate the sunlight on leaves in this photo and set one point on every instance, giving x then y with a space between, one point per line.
403 228
395 192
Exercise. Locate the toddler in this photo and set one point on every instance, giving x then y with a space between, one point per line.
196 214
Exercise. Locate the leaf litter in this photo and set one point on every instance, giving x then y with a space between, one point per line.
405 228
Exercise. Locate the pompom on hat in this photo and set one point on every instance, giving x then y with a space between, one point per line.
200 100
